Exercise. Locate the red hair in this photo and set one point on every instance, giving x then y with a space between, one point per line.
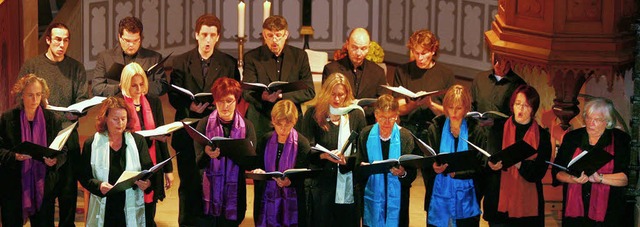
114 103
224 86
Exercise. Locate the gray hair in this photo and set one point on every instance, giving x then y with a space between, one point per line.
602 106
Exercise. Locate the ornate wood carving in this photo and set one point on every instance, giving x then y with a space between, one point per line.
571 40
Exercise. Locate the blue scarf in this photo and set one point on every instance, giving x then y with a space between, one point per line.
452 198
377 206
220 178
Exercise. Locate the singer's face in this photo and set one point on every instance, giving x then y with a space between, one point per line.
275 40
226 107
207 38
522 109
117 120
130 42
137 88
338 95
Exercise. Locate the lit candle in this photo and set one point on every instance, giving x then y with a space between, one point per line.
266 9
241 19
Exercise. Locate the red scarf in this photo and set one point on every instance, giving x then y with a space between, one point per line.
518 197
599 193
147 117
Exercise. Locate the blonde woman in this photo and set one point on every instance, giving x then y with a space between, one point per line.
148 115
280 202
331 199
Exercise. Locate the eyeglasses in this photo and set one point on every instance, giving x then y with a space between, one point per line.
275 36
594 120
225 102
387 119
520 105
131 42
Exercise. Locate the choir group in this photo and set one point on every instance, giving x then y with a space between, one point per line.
340 186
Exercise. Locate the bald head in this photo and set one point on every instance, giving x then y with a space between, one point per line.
358 46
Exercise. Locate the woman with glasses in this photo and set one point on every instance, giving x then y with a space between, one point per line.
513 196
223 184
28 183
148 114
280 201
386 195
451 197
595 199
330 199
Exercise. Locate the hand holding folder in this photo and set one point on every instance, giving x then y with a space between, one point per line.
456 161
588 162
383 166
128 178
39 152
235 149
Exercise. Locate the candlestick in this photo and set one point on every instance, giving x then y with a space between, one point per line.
241 7
266 10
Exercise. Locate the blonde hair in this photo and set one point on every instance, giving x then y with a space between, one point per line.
128 73
324 98
284 110
22 83
457 94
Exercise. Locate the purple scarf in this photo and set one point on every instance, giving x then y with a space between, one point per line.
33 171
279 205
220 178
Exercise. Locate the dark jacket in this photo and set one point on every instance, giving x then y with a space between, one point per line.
368 86
260 67
406 145
86 177
477 135
578 138
187 73
101 86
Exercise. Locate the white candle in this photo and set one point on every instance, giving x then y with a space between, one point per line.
241 19
266 9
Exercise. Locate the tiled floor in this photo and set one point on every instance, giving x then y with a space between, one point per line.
167 213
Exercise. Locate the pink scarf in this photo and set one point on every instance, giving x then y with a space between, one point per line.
147 117
599 193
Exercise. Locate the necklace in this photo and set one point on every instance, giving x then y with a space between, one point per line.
137 107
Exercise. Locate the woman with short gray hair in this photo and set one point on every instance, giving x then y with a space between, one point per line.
603 202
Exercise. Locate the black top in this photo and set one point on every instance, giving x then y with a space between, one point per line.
477 135
621 144
530 170
490 94
114 208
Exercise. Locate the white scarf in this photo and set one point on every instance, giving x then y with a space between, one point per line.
134 200
344 183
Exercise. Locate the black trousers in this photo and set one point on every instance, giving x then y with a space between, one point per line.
190 189
150 213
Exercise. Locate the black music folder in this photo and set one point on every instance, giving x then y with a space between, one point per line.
55 148
587 161
128 178
296 173
285 87
383 166
202 97
235 149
